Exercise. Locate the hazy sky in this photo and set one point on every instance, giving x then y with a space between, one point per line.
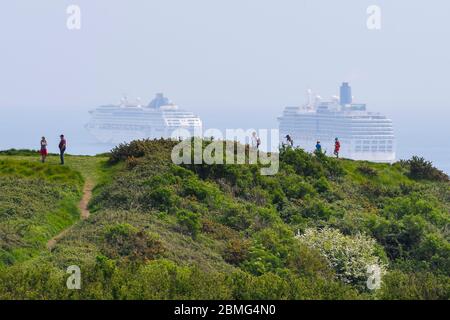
236 63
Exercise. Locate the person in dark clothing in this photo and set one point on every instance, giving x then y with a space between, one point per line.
62 148
289 140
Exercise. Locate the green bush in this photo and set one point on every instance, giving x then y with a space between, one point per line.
124 240
193 187
419 168
303 163
314 208
189 221
367 170
139 149
261 261
308 262
321 185
162 198
397 285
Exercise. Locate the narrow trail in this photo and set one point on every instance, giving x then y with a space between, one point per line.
84 213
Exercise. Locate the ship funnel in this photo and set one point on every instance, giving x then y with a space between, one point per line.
159 101
346 94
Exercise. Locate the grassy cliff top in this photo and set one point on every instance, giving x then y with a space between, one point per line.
165 231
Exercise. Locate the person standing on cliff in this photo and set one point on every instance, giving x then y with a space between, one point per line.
290 141
337 147
43 151
318 147
62 148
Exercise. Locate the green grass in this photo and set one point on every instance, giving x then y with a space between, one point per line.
39 200
89 167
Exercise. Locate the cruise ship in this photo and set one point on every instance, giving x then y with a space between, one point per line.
363 135
126 121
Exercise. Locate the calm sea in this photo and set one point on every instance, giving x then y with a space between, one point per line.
23 128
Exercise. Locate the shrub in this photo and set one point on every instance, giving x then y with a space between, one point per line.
397 285
399 207
132 162
236 251
314 208
190 221
419 168
261 261
322 185
308 262
193 187
162 198
367 170
302 162
124 240
295 186
349 256
140 148
19 152
218 230
236 216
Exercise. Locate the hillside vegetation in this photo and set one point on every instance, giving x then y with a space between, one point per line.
164 231
36 202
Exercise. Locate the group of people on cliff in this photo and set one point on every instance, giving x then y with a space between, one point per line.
337 145
256 142
62 148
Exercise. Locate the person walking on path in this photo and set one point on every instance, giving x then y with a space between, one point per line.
337 147
318 147
43 151
62 148
290 141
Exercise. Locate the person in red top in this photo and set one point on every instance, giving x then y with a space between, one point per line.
337 147
62 148
43 151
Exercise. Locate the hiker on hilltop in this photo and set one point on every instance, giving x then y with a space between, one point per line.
289 140
337 147
318 147
62 148
43 151
256 141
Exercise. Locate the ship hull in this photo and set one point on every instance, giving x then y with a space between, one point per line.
108 136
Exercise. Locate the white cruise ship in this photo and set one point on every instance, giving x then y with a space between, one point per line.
126 122
363 135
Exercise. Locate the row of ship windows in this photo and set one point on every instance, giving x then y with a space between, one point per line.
376 138
132 127
373 148
389 142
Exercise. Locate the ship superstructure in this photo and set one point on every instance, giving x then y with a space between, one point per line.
363 135
130 121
